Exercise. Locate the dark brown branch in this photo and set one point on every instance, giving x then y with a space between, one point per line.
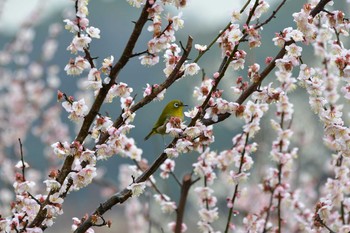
185 187
165 29
245 6
141 53
89 57
252 11
319 7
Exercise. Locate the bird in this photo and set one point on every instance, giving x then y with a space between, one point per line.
173 109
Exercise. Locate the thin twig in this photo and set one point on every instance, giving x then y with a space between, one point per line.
175 178
251 12
36 200
141 53
235 193
268 211
154 186
22 159
245 6
273 15
212 43
324 225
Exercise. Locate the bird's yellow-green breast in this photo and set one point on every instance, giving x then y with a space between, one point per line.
173 109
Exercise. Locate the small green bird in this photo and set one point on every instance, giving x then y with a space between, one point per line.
173 109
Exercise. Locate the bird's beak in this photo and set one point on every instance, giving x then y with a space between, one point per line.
185 105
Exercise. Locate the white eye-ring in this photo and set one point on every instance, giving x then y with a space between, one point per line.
176 105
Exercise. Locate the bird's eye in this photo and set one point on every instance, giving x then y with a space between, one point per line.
176 105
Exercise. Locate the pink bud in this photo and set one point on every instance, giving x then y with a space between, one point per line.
216 74
268 60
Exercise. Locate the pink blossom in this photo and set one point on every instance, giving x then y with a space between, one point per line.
172 226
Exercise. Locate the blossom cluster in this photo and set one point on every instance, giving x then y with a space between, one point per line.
164 38
322 85
28 81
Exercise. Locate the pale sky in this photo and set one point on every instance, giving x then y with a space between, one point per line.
14 12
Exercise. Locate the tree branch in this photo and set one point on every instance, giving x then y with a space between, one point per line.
185 187
319 7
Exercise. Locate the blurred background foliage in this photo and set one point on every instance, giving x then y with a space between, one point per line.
203 20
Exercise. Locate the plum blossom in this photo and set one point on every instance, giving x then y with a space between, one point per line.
167 167
177 22
201 92
260 9
171 152
77 109
83 177
149 60
209 215
93 32
172 226
121 90
136 3
80 43
107 64
174 126
137 188
149 90
191 69
167 206
77 66
200 48
61 149
71 26
293 50
94 79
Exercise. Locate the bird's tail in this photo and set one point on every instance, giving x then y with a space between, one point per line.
149 135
